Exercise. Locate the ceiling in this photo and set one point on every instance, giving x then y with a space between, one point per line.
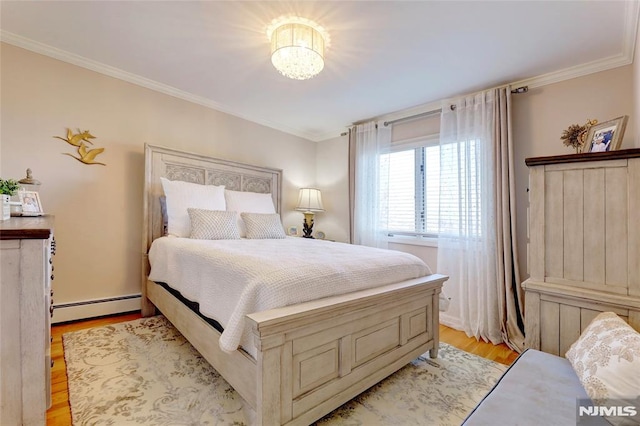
384 56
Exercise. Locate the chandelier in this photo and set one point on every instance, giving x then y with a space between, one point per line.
297 48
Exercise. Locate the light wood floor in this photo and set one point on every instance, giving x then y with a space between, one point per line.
60 414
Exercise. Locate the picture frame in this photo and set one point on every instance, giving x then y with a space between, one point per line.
606 136
292 231
31 205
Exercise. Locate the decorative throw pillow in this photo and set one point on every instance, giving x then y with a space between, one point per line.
606 358
213 225
263 226
182 195
248 202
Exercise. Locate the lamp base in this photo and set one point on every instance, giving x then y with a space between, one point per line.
307 226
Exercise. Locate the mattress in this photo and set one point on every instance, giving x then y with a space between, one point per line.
232 278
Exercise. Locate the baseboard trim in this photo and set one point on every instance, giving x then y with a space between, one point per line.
72 311
451 321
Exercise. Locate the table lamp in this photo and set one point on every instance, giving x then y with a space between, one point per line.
309 202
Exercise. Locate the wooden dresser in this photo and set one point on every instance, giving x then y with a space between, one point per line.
26 249
584 244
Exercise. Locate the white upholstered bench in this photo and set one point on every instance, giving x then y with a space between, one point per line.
603 365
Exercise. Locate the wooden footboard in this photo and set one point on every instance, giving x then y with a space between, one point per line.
314 357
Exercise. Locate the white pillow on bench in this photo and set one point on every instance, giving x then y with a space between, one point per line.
606 358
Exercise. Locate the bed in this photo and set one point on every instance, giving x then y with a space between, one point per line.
306 359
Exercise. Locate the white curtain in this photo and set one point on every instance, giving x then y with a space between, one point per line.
369 196
476 244
467 238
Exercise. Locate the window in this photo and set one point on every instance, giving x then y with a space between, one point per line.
416 207
414 185
461 190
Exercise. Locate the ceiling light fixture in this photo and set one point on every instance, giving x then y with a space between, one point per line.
297 47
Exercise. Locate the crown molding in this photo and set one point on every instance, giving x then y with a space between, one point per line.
632 10
576 71
71 58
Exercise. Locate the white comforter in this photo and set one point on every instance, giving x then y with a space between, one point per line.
233 278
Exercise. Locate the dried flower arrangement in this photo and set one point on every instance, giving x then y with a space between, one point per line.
576 134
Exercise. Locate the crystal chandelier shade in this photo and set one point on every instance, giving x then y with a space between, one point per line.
297 50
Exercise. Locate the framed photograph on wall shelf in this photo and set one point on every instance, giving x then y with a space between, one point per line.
606 136
31 205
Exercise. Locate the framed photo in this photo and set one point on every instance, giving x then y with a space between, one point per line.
31 205
605 136
293 231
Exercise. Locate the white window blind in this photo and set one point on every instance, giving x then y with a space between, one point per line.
460 199
402 190
415 204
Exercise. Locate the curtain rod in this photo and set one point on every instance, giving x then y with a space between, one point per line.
522 89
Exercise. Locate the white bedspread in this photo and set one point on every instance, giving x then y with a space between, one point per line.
233 278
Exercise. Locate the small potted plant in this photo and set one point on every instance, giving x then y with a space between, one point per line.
8 188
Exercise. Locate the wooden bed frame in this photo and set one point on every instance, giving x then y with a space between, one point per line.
311 357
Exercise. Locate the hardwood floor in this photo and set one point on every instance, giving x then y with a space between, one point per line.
60 414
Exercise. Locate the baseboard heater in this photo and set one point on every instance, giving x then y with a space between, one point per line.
72 311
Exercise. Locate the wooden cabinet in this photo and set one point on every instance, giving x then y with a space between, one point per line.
584 244
26 249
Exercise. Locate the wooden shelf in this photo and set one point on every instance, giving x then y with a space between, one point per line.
588 156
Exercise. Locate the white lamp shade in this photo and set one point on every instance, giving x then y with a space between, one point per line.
310 200
297 50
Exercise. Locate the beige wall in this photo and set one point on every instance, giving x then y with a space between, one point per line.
332 163
98 209
539 117
636 90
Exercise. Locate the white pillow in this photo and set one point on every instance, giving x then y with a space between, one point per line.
248 202
213 224
262 226
182 195
606 358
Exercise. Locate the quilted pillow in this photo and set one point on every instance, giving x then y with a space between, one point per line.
213 225
606 358
263 226
183 195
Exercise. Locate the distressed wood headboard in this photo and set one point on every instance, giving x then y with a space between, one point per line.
185 166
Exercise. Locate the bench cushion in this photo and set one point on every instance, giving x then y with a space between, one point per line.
537 389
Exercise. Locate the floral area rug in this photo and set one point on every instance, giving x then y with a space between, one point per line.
143 372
